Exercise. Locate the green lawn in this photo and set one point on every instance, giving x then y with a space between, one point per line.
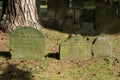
50 68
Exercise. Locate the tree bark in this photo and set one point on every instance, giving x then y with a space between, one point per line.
19 13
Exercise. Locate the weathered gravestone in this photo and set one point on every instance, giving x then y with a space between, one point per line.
26 42
68 26
101 48
76 47
105 19
52 23
87 29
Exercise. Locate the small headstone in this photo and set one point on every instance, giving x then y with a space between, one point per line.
101 48
75 48
68 26
53 23
26 43
87 29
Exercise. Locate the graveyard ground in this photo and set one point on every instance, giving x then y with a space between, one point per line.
51 68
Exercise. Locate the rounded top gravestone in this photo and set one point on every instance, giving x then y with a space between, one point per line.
102 48
26 43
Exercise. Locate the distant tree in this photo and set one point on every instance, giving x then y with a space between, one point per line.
18 13
66 3
118 9
55 5
78 3
116 5
100 1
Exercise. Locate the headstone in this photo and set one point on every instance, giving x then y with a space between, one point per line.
87 29
53 23
101 48
105 19
68 26
75 48
26 42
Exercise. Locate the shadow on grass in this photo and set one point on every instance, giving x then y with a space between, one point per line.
13 73
53 55
5 54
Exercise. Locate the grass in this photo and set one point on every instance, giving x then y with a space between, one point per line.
43 6
53 69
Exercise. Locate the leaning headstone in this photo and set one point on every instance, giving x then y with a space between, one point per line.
101 48
75 48
26 43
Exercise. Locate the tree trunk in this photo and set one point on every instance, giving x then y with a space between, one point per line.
118 9
38 7
19 13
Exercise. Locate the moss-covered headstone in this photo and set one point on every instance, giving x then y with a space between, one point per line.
68 26
102 48
26 43
87 29
75 48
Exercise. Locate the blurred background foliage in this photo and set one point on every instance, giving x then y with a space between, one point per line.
70 16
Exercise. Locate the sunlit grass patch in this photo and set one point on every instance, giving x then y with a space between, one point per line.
43 6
